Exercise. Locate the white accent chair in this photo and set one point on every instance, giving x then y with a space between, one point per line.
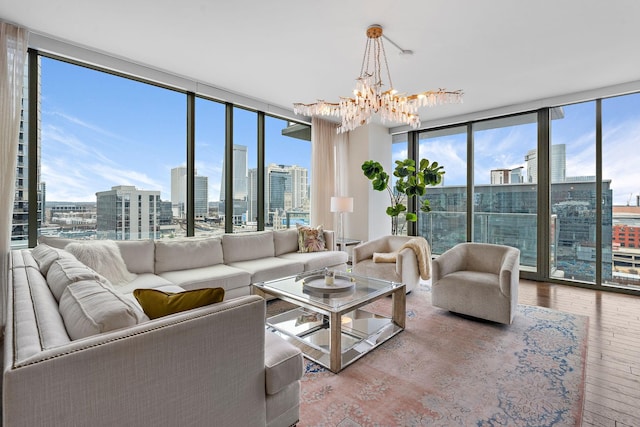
478 280
404 270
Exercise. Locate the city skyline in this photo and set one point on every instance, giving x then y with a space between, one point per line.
85 148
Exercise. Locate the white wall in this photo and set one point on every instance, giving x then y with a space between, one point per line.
368 220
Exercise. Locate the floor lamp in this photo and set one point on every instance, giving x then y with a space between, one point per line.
341 205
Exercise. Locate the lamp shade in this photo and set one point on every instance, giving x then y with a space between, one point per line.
342 204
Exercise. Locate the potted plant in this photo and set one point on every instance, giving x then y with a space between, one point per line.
411 181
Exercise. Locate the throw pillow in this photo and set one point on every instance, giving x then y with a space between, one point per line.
311 239
45 255
89 307
64 272
384 256
157 303
104 257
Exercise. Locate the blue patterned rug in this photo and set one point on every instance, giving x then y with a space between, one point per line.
449 370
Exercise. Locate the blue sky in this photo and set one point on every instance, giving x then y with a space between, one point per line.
506 147
100 130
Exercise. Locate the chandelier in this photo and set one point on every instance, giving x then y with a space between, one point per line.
369 96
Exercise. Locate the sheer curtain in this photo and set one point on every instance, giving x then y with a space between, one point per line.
13 55
329 171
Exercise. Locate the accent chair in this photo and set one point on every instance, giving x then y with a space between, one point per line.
478 280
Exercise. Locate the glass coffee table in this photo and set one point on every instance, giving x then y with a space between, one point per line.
328 323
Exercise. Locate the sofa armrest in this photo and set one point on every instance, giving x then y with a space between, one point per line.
329 240
199 367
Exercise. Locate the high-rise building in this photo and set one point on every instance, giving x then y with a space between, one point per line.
252 195
126 213
558 164
179 193
240 173
20 221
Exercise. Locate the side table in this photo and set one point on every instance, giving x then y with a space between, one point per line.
343 244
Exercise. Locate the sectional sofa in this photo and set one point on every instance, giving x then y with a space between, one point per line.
66 363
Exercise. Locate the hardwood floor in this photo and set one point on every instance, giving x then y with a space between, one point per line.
612 390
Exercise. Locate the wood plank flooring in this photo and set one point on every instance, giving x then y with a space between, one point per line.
612 390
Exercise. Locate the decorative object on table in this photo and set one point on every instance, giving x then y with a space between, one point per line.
341 205
370 97
329 281
411 181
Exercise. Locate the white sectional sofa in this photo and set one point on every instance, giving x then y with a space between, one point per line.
210 366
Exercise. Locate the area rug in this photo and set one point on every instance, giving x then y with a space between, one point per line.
449 370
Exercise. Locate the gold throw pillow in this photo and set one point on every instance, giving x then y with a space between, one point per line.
157 303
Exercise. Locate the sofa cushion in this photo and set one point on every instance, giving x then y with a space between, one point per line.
139 255
285 241
45 255
157 303
282 361
146 281
271 268
188 253
104 257
66 271
318 260
247 246
311 239
90 307
220 275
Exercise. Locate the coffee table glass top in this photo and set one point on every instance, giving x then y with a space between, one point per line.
347 290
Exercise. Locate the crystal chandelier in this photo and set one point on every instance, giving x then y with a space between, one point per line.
369 96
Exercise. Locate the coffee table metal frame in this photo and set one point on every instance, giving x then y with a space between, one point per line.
331 328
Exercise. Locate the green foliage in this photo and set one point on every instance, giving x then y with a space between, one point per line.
411 181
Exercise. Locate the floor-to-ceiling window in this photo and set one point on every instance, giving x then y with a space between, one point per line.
621 176
573 193
113 158
209 161
287 173
505 181
446 224
245 158
109 147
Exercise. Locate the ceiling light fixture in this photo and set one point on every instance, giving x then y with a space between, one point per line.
370 97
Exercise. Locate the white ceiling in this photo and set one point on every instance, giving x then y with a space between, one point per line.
500 52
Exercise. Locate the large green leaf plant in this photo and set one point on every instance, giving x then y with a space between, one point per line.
411 181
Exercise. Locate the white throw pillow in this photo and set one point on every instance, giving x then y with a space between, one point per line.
90 307
104 257
45 255
65 271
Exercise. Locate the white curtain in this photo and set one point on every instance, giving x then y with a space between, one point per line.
13 55
329 162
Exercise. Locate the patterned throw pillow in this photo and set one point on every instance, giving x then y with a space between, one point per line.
311 239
